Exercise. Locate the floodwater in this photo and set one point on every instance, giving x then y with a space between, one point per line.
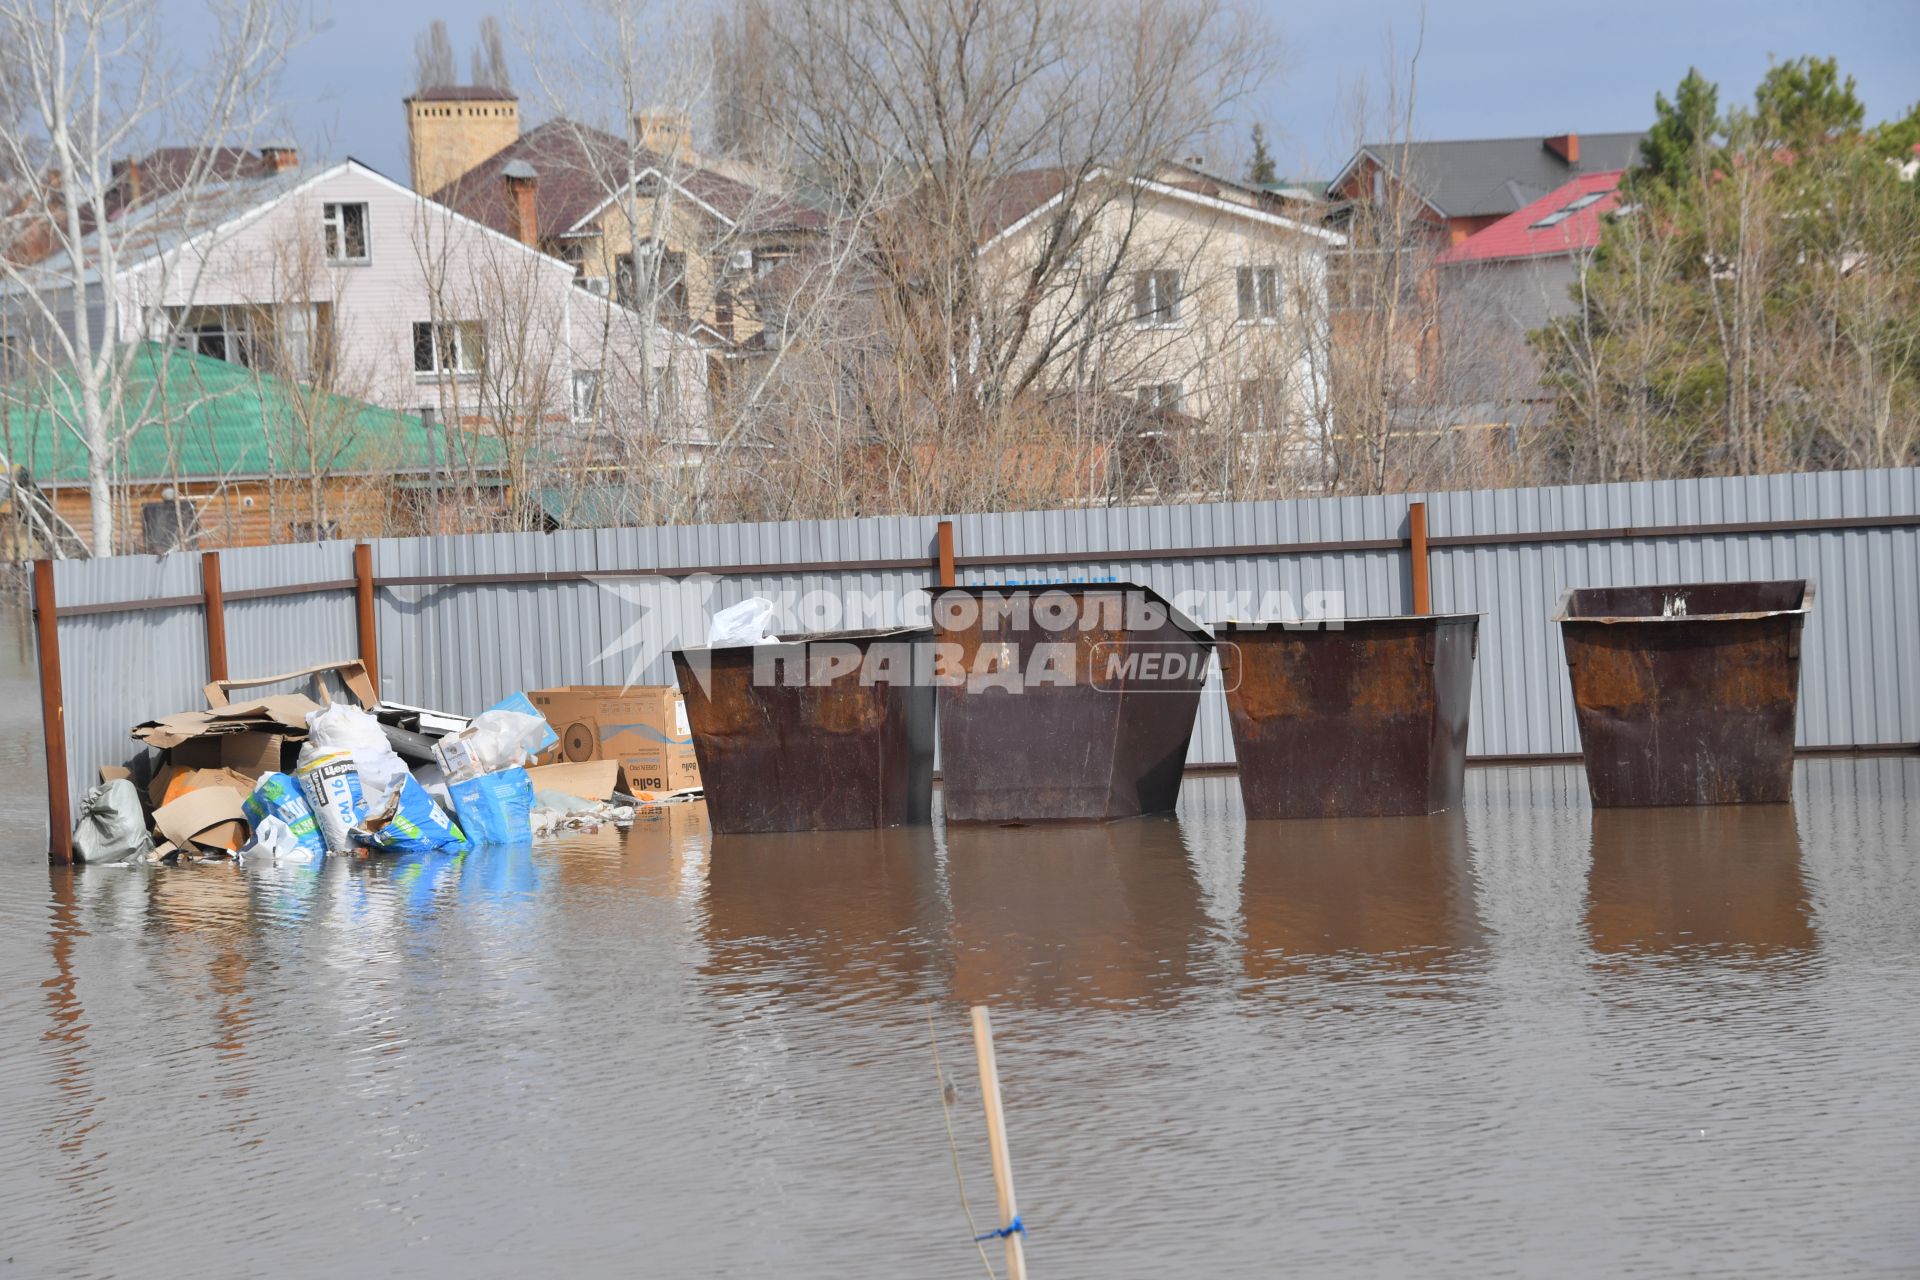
1526 1039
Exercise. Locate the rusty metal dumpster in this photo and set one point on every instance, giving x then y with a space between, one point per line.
1364 719
824 732
1686 693
1064 702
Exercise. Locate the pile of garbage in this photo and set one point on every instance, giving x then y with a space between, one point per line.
290 778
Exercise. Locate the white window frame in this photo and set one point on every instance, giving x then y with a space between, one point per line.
454 334
1257 295
586 394
333 233
1160 313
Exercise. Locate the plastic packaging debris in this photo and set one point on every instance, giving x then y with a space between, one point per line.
340 728
408 821
331 785
111 828
275 841
278 797
498 739
749 622
524 705
495 808
551 822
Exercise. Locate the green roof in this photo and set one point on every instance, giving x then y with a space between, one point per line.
196 418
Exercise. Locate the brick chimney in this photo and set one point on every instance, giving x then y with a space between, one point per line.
1566 146
523 218
278 158
132 179
666 133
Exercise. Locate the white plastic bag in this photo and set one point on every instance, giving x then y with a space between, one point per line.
341 729
503 739
749 622
274 841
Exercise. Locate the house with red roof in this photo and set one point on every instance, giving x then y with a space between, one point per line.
1517 275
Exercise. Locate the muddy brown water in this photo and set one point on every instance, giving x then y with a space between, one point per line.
1523 1039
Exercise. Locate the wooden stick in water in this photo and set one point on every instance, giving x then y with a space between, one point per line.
997 1139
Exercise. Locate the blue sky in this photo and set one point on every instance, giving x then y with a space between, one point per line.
1506 67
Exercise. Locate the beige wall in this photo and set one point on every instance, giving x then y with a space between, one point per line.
1206 348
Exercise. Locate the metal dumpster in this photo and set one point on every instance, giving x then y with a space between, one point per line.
1064 702
1686 693
823 732
1364 719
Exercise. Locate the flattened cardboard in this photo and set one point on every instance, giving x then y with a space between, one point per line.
352 673
210 818
283 713
644 727
594 780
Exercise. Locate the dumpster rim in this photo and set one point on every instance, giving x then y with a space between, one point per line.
1561 615
1335 624
1195 629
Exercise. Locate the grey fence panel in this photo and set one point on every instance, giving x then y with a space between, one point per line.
119 669
272 634
464 645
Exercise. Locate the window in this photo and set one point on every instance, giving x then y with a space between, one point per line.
1562 214
345 226
586 394
9 356
1156 297
449 346
1259 290
1261 405
1159 397
651 271
573 252
664 395
221 333
767 257
173 525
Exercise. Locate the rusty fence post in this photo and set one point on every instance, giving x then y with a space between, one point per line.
1417 554
215 605
944 541
363 600
53 714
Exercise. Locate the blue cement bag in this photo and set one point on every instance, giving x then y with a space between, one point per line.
495 808
278 796
409 821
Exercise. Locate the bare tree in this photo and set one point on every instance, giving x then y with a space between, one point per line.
84 84
433 62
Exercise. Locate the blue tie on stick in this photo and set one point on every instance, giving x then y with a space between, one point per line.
1016 1226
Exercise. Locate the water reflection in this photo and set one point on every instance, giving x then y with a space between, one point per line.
1073 914
1386 892
843 914
1720 878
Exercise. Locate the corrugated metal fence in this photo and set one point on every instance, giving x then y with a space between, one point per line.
464 620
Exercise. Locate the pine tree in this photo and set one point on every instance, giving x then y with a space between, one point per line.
1261 171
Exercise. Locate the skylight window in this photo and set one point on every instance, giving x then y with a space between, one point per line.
1561 214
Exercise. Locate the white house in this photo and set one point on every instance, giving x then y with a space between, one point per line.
345 276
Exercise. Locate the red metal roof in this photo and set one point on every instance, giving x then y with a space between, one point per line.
1518 236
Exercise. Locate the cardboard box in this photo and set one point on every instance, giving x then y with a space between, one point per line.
595 780
644 727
